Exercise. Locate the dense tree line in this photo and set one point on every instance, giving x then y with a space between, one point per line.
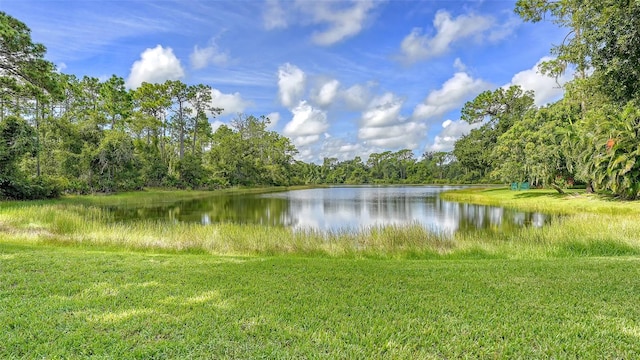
592 135
60 133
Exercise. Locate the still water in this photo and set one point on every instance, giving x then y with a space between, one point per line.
338 208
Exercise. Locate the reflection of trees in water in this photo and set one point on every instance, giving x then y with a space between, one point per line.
471 217
390 206
218 209
347 208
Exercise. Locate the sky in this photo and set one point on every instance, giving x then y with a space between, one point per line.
339 78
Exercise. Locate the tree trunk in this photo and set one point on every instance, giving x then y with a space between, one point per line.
589 189
557 188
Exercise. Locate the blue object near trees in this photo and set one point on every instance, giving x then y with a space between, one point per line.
520 186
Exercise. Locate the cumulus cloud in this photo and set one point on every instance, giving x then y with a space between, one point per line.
155 66
230 103
357 96
418 46
546 88
405 135
274 17
452 95
342 149
201 58
307 124
383 110
341 23
326 93
338 21
291 83
383 126
451 132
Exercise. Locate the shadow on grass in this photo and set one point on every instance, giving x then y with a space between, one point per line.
596 248
535 194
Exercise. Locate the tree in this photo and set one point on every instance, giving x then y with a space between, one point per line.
497 110
533 149
115 101
612 154
180 94
604 35
201 104
22 62
17 140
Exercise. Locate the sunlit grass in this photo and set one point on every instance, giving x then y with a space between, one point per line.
544 200
586 234
76 284
74 302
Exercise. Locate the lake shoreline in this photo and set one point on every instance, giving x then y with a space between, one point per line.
602 229
76 286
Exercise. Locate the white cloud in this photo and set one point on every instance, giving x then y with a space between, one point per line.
274 17
291 83
416 46
383 126
305 140
274 118
230 103
341 23
342 149
307 124
451 132
201 58
382 111
405 135
459 65
357 96
60 67
545 87
326 94
452 95
155 66
216 124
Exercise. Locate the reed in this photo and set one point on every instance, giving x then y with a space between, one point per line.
586 234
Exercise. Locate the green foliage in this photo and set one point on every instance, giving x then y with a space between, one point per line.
249 154
533 150
612 156
191 173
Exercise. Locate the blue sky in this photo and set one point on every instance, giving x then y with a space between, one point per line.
340 78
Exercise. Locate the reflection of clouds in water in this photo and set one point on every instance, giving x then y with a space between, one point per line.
537 220
496 215
352 208
518 218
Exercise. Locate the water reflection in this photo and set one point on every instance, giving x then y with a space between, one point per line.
338 208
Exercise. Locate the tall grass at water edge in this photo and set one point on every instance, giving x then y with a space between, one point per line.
585 234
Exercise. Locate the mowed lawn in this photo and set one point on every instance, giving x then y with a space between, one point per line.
81 302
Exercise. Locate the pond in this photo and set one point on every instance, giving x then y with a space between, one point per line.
337 208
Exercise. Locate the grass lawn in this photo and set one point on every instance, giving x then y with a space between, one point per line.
69 302
74 285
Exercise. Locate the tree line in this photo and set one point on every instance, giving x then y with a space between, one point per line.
60 133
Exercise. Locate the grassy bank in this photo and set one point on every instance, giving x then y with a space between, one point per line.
545 200
70 302
608 228
74 284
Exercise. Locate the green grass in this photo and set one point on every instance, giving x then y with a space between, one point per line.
69 302
545 200
73 284
608 228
